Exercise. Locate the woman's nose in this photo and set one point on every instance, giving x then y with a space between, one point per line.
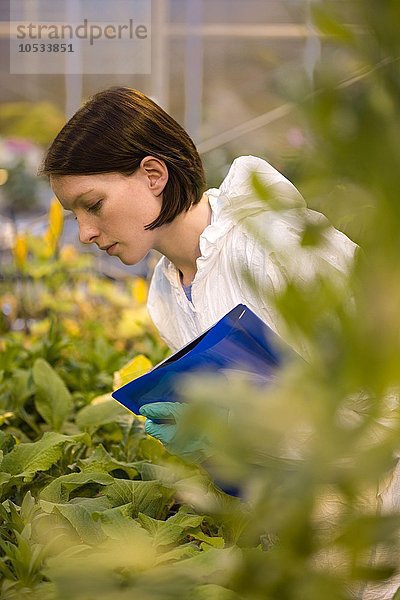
88 233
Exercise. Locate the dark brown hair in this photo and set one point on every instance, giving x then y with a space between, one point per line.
113 131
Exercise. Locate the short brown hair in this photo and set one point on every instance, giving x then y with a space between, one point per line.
113 131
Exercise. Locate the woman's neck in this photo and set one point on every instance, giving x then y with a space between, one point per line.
179 240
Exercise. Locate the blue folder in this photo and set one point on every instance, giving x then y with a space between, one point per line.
240 342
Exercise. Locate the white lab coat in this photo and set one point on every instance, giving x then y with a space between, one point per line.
272 253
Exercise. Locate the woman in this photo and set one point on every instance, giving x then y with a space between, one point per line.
135 182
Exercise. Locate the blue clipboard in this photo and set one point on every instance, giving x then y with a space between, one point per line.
240 341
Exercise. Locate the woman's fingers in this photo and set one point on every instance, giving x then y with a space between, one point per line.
164 433
161 410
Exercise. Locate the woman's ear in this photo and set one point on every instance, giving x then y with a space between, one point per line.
156 173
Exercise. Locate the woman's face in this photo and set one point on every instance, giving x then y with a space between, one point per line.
112 208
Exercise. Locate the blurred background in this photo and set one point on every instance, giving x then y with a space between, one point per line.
217 68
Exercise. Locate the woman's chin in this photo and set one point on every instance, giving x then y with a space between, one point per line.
130 259
127 261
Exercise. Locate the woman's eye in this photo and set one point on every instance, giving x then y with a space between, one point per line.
95 207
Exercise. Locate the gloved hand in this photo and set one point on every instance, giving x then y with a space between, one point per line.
163 422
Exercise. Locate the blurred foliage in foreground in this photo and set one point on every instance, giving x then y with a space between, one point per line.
91 507
317 455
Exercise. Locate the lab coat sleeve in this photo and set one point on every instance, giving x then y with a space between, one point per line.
275 257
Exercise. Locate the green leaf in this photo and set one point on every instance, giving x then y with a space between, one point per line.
23 553
81 514
215 542
100 460
4 478
179 553
21 385
93 505
366 530
28 507
94 416
207 564
162 532
313 234
264 193
4 570
185 520
15 517
150 472
151 449
212 591
88 529
149 497
59 490
274 196
26 459
379 572
118 525
330 24
43 591
52 399
7 442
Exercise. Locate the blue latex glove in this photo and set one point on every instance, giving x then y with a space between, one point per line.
162 422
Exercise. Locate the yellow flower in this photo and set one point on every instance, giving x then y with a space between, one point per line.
68 253
20 251
135 368
40 328
139 290
56 218
49 245
71 327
